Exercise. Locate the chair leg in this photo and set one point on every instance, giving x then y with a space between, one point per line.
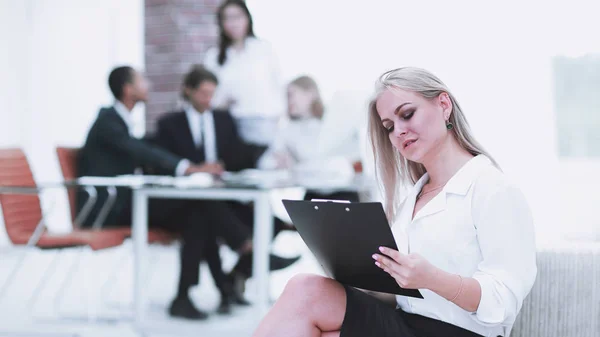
91 298
105 290
5 287
94 297
154 257
91 305
69 276
45 277
15 270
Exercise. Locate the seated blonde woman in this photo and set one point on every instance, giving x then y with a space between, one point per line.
464 232
297 145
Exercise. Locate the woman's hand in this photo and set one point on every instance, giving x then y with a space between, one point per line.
410 271
284 160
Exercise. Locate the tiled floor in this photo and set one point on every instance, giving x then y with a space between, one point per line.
115 300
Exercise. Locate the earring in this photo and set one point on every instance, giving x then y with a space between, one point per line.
449 125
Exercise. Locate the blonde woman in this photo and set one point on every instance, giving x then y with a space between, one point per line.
296 146
465 233
297 141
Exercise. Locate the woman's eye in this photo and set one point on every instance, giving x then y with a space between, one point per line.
408 115
389 128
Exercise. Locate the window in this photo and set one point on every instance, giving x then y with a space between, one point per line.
576 90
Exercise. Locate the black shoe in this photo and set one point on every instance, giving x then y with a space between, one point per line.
241 301
239 288
184 308
225 305
244 265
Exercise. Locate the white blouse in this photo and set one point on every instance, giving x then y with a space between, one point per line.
251 77
478 226
302 141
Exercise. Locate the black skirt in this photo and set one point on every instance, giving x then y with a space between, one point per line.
367 316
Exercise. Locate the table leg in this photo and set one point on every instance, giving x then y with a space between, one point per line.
140 246
263 232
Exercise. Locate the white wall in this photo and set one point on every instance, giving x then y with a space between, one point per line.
13 60
495 56
55 62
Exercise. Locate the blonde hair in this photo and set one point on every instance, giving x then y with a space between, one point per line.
307 83
391 168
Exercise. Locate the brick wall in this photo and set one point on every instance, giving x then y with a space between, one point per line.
177 34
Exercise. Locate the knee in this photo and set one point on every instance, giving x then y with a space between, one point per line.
306 289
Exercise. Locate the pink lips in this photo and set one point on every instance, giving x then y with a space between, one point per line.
408 143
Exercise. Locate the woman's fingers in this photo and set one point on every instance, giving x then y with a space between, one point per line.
393 268
388 265
383 261
396 255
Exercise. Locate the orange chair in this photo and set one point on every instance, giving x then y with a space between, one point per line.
67 158
24 220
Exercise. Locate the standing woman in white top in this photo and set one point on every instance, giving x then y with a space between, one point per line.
250 85
464 232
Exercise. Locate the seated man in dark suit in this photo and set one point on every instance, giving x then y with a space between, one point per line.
210 137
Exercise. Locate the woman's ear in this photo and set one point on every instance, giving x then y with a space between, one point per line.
446 104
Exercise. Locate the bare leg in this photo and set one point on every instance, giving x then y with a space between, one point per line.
309 306
331 334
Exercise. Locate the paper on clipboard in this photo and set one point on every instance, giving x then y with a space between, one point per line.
331 200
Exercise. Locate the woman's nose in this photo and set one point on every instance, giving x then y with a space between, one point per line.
399 131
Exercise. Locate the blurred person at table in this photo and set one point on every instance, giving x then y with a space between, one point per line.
205 136
297 145
250 84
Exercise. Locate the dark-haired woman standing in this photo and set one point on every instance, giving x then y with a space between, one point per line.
250 85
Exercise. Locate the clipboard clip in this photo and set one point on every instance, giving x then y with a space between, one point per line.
331 200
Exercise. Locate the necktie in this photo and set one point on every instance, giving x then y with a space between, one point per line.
201 130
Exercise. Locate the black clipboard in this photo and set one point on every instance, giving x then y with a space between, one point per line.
343 236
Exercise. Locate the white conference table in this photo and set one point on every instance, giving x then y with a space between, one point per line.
146 187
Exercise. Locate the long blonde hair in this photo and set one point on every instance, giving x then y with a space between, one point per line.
391 168
307 83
